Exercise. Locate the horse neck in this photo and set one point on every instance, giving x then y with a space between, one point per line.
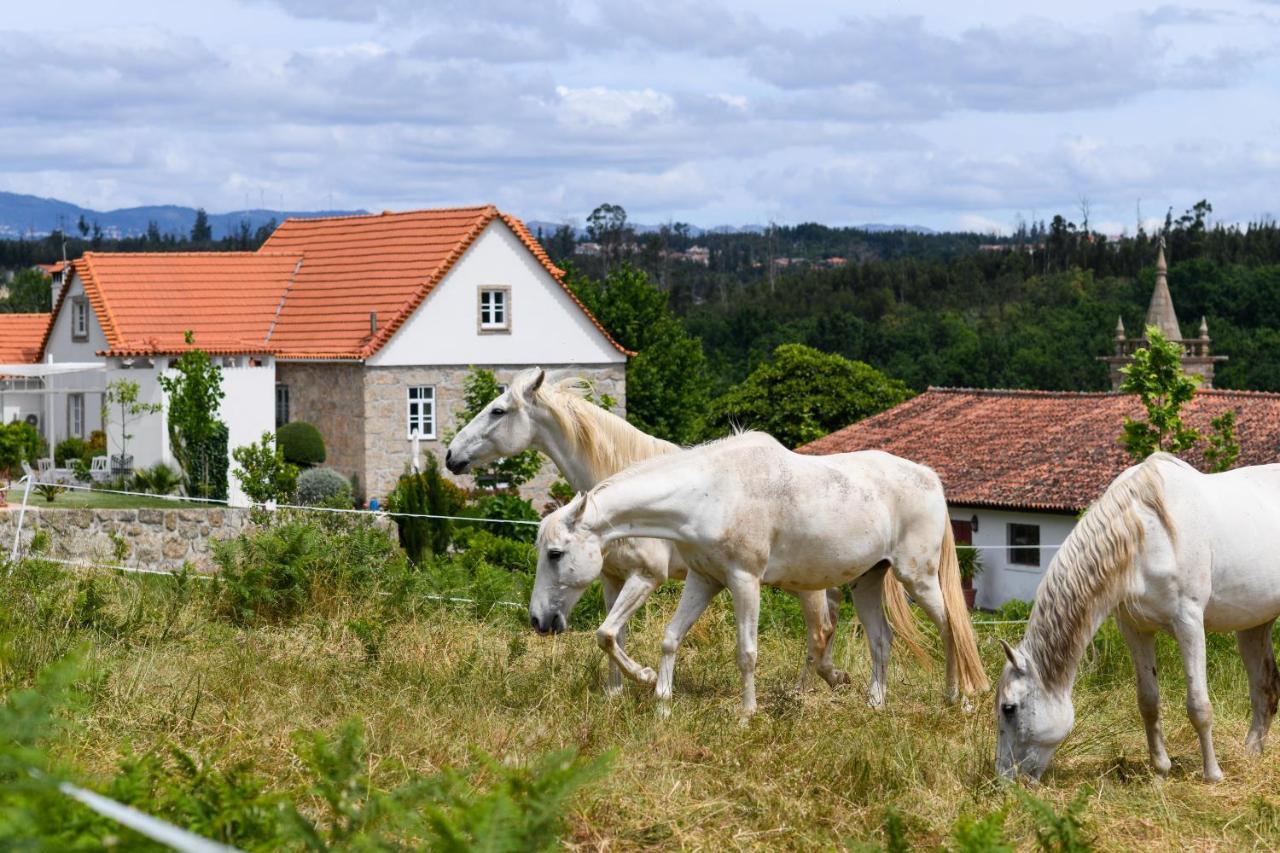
618 444
1063 621
656 504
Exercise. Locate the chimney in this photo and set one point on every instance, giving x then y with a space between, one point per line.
373 323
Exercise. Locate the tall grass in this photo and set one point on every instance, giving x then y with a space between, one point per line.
328 694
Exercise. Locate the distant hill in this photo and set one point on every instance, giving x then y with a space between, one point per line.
33 216
549 228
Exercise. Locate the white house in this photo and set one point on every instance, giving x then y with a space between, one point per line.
365 326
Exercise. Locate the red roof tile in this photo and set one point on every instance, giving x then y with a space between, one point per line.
21 336
1039 449
146 302
385 263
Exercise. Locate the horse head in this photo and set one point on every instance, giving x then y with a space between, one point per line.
1031 720
503 428
569 559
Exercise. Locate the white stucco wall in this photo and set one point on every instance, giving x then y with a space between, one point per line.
546 326
62 349
1002 580
248 410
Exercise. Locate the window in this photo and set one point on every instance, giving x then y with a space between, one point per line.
422 411
79 318
282 404
495 309
75 415
1024 544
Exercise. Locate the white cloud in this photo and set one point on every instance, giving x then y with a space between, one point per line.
612 107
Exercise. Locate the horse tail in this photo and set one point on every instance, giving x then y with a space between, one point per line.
901 619
964 643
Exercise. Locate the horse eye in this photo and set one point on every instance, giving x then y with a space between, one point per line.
497 413
555 553
1009 709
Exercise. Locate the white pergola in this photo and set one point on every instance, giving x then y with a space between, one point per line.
42 371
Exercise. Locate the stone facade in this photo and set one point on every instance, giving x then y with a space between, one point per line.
157 539
387 445
331 397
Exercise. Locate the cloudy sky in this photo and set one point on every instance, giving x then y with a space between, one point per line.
933 113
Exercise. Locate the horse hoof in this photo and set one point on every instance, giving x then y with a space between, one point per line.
613 691
1212 777
1161 766
838 678
875 701
1253 747
967 705
647 677
664 710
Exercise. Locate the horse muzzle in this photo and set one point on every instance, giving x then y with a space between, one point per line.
553 623
455 464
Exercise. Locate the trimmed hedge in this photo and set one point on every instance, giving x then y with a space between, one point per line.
301 444
323 487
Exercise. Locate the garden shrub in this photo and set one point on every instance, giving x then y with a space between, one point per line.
424 493
505 506
323 487
159 479
206 476
69 449
301 443
19 442
263 473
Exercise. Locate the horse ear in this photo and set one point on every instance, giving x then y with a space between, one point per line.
534 384
576 507
1016 658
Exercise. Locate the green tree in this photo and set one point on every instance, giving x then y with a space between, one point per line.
194 392
802 394
479 390
1157 377
122 396
264 475
29 293
667 386
201 231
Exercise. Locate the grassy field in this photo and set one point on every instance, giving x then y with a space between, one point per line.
431 684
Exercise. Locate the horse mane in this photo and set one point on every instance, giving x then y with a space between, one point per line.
644 466
1091 569
606 441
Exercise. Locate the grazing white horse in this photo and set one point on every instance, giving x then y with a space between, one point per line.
745 511
588 444
1169 549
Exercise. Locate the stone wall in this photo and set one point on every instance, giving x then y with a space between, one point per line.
387 448
152 538
330 396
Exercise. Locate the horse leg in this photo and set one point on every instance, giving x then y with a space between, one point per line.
611 589
927 592
698 592
745 589
868 593
1142 649
1189 631
820 634
1264 682
634 592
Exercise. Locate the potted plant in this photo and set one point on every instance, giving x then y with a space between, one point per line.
970 567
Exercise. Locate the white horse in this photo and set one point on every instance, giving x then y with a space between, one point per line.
1169 549
745 511
588 444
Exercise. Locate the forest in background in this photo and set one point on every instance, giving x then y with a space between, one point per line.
1034 309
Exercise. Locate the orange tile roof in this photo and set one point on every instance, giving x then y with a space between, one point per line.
385 263
1041 450
145 302
307 293
21 336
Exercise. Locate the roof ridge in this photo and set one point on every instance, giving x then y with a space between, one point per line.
206 254
284 295
1039 392
476 207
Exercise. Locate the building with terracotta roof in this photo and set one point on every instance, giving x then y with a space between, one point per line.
365 326
20 338
1020 466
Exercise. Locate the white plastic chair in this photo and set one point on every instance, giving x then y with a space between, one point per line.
99 469
45 466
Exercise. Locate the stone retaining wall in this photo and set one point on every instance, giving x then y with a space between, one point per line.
151 538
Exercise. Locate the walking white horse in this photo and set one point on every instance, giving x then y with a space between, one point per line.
1169 549
588 444
745 511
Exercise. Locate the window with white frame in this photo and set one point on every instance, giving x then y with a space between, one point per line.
422 411
495 309
79 318
75 415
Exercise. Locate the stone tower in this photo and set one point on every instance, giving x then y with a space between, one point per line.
1196 357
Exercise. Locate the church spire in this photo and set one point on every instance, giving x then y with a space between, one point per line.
1160 312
